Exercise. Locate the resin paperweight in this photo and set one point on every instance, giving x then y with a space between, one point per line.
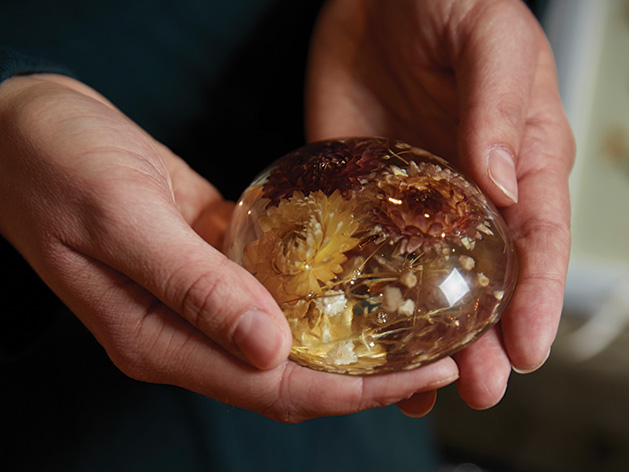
381 256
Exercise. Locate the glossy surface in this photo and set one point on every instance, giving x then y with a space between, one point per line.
380 255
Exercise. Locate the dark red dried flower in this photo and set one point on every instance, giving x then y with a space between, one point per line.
327 166
425 210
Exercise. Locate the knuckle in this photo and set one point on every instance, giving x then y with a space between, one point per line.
283 402
134 363
201 301
547 229
145 357
509 113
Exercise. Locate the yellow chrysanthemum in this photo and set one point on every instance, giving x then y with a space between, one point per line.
302 246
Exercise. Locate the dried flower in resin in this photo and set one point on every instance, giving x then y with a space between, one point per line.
381 256
423 207
326 166
303 244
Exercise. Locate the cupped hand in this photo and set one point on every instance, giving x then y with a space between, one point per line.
125 233
473 81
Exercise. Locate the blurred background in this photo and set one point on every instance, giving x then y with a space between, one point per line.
573 414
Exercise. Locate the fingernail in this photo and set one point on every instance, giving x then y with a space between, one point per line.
529 371
420 414
259 338
501 167
423 404
443 382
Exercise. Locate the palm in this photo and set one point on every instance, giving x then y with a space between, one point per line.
372 93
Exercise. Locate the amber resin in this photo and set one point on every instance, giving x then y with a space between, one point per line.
381 256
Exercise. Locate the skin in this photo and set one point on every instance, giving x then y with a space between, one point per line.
463 78
122 230
126 233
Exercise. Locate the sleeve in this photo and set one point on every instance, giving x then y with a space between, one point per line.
14 63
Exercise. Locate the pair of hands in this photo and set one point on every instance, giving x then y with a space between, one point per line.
127 234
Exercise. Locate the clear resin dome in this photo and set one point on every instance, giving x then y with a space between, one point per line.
381 256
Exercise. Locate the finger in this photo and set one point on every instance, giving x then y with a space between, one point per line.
485 370
156 248
291 393
419 405
541 231
531 321
223 301
305 394
495 87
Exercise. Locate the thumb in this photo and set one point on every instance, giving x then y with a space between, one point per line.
212 293
230 306
495 80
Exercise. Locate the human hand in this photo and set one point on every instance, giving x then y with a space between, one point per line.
473 81
123 231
